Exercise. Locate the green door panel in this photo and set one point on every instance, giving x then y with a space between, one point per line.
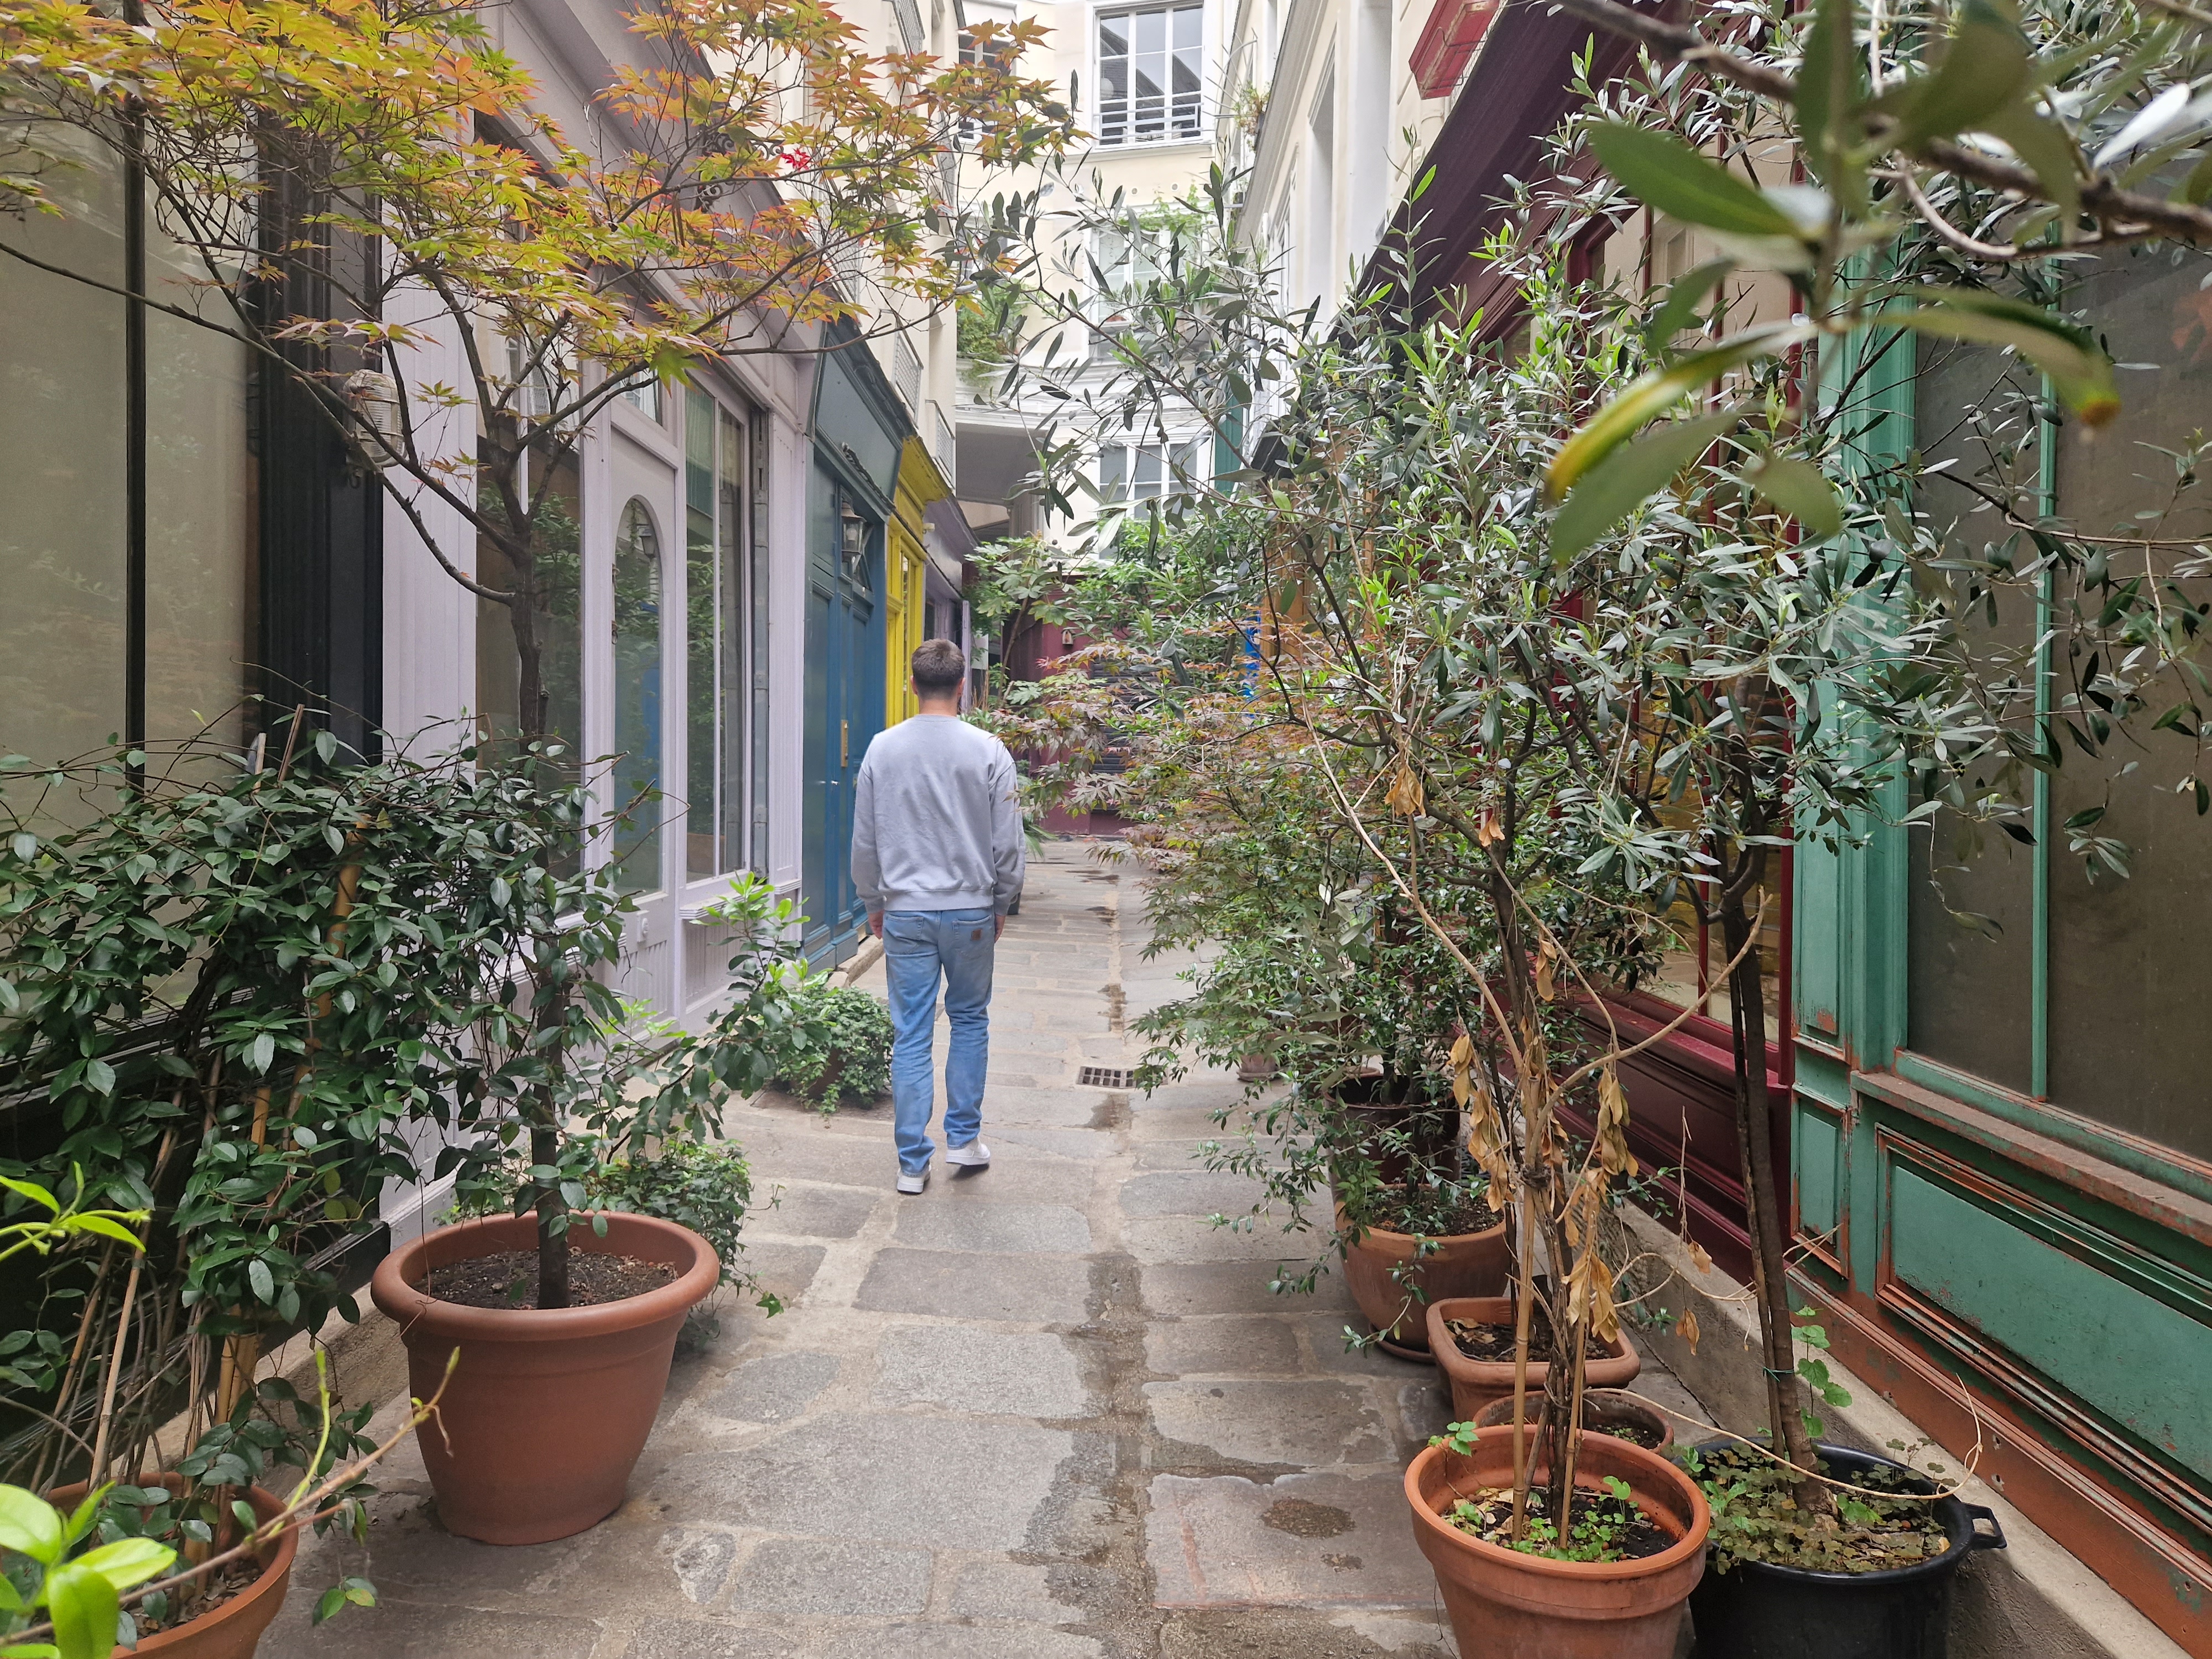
1815 1149
2139 1359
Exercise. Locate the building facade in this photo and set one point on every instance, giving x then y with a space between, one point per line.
2001 1178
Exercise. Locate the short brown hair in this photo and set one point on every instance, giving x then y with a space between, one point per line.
937 666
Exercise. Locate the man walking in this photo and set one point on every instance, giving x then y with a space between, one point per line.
937 858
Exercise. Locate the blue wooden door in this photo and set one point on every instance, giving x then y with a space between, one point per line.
844 705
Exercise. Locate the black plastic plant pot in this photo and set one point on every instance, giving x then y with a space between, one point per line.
1756 1610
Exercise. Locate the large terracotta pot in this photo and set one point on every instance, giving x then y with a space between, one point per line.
233 1630
1601 1408
547 1410
1501 1601
1476 1383
1458 1267
1426 1127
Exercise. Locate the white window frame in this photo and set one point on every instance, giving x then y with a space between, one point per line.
1129 138
1180 454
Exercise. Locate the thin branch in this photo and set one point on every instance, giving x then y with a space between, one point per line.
2101 199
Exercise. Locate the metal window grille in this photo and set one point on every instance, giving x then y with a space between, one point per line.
906 372
909 24
1151 75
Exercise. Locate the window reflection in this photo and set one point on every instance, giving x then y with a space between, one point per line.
638 588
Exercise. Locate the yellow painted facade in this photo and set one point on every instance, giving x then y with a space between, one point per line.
906 567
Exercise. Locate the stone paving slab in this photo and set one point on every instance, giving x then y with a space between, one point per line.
1303 1539
1044 1290
1044 1411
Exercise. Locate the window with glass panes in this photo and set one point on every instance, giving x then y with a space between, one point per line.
1151 75
974 49
1145 472
2033 964
726 643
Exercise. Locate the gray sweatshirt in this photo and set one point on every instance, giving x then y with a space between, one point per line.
936 819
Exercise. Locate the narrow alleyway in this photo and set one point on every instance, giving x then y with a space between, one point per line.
1043 1411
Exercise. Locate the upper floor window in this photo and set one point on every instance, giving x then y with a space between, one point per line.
1151 75
644 397
997 51
1147 472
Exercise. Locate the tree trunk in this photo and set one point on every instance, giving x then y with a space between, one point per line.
531 709
552 1236
1755 1143
1538 1191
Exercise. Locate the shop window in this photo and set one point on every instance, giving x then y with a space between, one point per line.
720 594
1970 921
640 582
2124 959
115 622
1147 472
2129 959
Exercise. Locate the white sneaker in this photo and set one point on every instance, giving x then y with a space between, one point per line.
913 1183
973 1155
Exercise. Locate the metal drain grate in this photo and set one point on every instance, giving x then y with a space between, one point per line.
1101 1077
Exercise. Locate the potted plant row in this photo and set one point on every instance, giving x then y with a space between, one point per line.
229 986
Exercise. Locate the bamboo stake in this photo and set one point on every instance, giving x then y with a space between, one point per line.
1573 1437
1525 1302
242 1353
115 1370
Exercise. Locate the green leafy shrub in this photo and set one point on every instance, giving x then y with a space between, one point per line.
836 1040
706 1187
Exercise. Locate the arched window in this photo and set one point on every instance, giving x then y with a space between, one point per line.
639 585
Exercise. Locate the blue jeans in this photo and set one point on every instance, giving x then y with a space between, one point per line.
918 947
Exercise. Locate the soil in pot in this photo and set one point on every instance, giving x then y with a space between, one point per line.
1895 1605
1604 1411
1755 1518
1608 1526
1506 1601
1486 1322
1493 1344
509 1279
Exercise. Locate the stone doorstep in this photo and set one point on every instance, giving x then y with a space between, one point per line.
2033 1597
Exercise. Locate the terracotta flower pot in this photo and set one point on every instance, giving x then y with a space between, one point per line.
548 1409
1476 1383
1601 1408
1461 1266
1424 1127
1501 1601
233 1630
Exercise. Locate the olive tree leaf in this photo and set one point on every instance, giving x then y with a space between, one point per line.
1986 66
2150 122
1800 490
1611 491
1662 171
1683 297
1831 89
2077 365
2043 145
1646 399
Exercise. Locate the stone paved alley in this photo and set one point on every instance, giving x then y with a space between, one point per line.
1043 1411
